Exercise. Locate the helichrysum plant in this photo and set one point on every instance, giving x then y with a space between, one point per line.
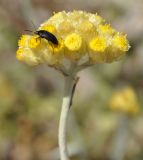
84 39
125 103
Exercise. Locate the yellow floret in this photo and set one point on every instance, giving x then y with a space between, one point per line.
34 41
105 29
86 27
65 27
23 40
19 54
125 101
98 44
99 19
58 17
95 19
49 28
73 42
121 42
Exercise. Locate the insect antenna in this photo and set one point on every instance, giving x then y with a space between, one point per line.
33 25
28 30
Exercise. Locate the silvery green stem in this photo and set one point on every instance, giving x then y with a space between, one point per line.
120 139
69 84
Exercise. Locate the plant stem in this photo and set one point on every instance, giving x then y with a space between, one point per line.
68 93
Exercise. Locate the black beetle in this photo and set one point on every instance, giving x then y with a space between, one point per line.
48 36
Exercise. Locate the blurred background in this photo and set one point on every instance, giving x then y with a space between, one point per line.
30 97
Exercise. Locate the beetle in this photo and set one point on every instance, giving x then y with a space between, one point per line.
48 36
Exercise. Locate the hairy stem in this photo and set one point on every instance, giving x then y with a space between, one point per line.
67 99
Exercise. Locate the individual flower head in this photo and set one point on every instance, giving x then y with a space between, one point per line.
125 101
84 39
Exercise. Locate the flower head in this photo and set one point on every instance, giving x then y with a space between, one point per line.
81 35
125 101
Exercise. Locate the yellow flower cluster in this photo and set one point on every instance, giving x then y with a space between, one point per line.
84 38
125 101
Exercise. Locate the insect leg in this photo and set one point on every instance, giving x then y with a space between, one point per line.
38 38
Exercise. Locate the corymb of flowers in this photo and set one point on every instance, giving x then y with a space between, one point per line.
68 38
